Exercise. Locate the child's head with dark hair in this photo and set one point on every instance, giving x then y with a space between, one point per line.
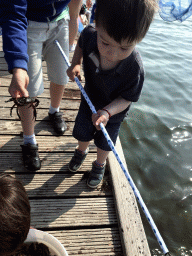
125 19
14 214
120 25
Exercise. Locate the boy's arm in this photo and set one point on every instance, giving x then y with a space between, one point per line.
115 107
74 69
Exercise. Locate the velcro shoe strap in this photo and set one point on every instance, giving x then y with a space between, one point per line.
97 172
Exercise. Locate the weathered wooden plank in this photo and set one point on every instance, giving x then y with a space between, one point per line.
46 143
72 212
4 66
42 128
68 94
61 185
133 236
5 82
42 114
2 53
3 63
96 242
4 73
52 162
44 103
2 60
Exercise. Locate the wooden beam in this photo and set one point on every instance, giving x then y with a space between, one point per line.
131 229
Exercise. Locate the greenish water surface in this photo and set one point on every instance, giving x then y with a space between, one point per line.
157 135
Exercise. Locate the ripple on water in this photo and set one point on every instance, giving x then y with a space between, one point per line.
159 172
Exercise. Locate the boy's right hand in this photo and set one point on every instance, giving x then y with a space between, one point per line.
100 117
74 71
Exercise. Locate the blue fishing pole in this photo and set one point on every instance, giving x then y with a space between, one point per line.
134 188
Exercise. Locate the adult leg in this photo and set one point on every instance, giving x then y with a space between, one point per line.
30 147
27 120
35 87
56 69
74 9
56 94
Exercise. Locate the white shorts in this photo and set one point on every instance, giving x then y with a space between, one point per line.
41 37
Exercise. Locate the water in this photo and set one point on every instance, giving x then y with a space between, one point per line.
157 135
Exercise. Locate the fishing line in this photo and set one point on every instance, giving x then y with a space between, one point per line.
110 143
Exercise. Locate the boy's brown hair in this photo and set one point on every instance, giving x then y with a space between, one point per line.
14 214
125 19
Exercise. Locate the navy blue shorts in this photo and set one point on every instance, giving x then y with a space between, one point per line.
84 130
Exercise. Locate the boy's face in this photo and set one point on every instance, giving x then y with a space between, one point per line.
110 50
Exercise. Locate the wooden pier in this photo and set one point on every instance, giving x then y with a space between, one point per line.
104 221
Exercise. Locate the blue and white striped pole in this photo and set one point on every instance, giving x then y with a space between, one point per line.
134 188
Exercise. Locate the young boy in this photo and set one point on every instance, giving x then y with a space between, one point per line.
113 72
14 214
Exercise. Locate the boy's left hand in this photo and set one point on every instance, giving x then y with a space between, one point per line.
100 117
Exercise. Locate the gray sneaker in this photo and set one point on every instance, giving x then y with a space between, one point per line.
95 175
77 160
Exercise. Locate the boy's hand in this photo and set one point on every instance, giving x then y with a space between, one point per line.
101 117
74 71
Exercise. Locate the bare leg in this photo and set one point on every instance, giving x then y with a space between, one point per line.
73 28
56 93
29 151
27 119
83 145
101 156
74 9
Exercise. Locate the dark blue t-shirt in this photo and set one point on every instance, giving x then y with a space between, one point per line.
125 80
